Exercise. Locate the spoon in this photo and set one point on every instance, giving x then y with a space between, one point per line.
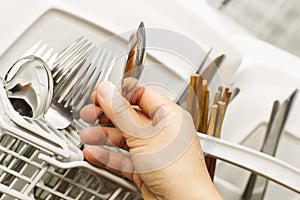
29 86
135 60
134 63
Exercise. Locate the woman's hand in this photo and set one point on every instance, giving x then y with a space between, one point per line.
165 161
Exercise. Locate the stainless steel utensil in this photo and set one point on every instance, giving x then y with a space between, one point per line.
65 77
29 83
275 127
135 60
212 68
180 100
134 63
29 87
235 91
96 69
68 63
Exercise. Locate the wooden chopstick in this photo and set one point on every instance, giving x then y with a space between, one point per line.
211 129
220 88
227 98
224 93
202 98
192 103
217 133
220 118
190 95
212 120
217 97
205 113
199 96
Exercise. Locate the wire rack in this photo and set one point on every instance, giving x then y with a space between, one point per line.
41 175
39 161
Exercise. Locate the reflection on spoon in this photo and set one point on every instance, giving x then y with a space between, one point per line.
29 86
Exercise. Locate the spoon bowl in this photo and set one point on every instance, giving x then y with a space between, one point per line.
29 86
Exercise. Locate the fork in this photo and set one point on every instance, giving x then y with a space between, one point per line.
38 51
64 72
96 69
68 62
77 71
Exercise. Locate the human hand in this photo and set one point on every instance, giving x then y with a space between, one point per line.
166 161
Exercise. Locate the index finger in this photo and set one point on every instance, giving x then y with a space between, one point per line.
149 100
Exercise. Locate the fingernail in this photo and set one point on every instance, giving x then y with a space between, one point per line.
91 109
105 90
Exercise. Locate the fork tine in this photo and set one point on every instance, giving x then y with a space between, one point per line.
32 49
62 85
68 48
63 60
52 60
80 64
62 55
73 101
67 94
39 52
109 65
90 87
69 86
90 63
104 59
72 60
98 65
68 76
47 55
77 44
86 71
91 69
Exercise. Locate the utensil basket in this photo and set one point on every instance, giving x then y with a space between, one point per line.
44 176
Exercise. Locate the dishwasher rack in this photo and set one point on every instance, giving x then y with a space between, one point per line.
43 176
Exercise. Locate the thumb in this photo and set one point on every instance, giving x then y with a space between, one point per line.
122 114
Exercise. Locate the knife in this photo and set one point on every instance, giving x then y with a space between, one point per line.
275 127
184 94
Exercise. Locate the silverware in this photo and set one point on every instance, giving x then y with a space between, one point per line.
212 68
235 92
275 127
180 100
66 67
252 179
96 69
29 87
135 60
68 63
134 63
29 83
